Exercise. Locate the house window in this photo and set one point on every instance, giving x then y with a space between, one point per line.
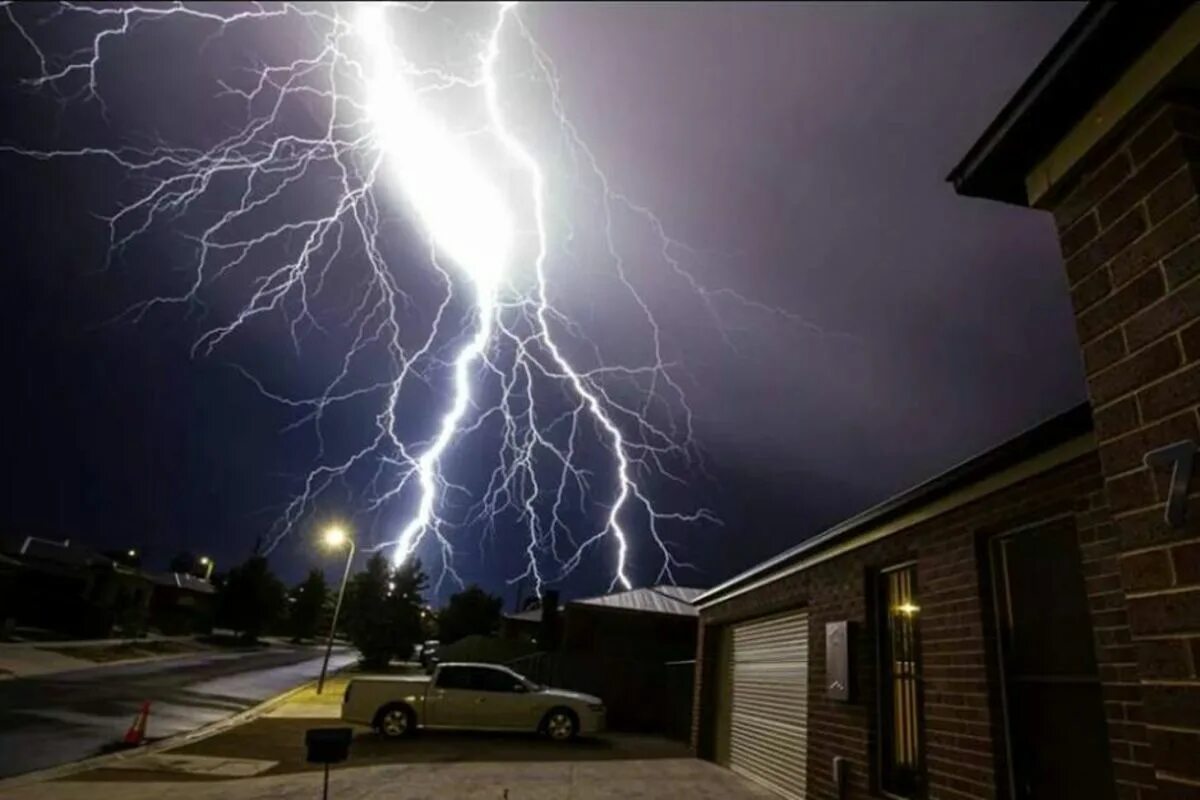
901 749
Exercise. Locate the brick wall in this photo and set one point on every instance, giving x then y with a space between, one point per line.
963 729
1129 227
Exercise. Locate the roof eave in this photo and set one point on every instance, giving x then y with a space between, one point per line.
1087 59
1057 430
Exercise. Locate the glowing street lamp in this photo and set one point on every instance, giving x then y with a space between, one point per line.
334 538
207 563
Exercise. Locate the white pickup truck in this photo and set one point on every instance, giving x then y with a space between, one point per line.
483 697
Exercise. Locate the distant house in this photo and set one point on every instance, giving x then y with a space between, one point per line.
66 587
656 623
658 619
70 588
522 625
181 603
634 648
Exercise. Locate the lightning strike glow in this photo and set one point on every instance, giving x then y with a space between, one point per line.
519 374
463 212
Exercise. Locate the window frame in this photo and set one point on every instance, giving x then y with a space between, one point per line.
892 780
454 671
510 679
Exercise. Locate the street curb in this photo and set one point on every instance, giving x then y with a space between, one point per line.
169 743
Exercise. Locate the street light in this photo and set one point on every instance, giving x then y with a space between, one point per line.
334 538
207 563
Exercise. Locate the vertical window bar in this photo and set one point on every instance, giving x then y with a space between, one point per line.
900 653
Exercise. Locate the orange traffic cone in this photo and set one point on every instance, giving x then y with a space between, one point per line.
137 731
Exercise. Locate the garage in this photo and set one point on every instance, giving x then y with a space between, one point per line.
768 728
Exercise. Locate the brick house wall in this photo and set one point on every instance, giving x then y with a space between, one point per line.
963 730
1129 227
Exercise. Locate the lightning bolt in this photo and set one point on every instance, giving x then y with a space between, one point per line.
518 366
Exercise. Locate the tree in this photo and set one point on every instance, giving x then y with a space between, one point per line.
383 610
252 599
405 607
471 611
308 606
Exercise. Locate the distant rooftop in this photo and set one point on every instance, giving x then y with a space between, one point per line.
182 581
675 600
64 554
531 615
33 548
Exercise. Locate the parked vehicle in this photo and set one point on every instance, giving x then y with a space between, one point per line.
483 697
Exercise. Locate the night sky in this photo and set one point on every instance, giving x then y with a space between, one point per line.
799 149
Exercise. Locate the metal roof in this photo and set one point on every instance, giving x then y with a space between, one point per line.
662 599
181 581
674 600
685 593
65 553
1096 49
1055 431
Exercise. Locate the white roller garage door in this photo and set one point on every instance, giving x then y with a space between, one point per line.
768 732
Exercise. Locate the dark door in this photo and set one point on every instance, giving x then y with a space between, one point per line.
1056 732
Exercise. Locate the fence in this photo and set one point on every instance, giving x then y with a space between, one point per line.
641 696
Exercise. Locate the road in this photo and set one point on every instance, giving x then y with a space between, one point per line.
68 716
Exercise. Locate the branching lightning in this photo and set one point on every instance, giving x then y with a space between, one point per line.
501 352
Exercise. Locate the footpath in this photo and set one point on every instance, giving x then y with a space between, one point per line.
40 658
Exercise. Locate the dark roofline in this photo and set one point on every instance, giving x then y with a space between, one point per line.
1057 430
601 608
1097 48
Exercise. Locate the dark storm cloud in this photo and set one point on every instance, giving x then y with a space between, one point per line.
810 141
802 147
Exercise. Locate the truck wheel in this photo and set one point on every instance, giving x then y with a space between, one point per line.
560 724
395 721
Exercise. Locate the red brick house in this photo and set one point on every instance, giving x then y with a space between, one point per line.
1026 625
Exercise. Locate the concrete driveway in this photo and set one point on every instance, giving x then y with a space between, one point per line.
684 778
269 753
282 741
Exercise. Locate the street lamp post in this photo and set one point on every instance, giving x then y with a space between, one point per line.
335 537
207 563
